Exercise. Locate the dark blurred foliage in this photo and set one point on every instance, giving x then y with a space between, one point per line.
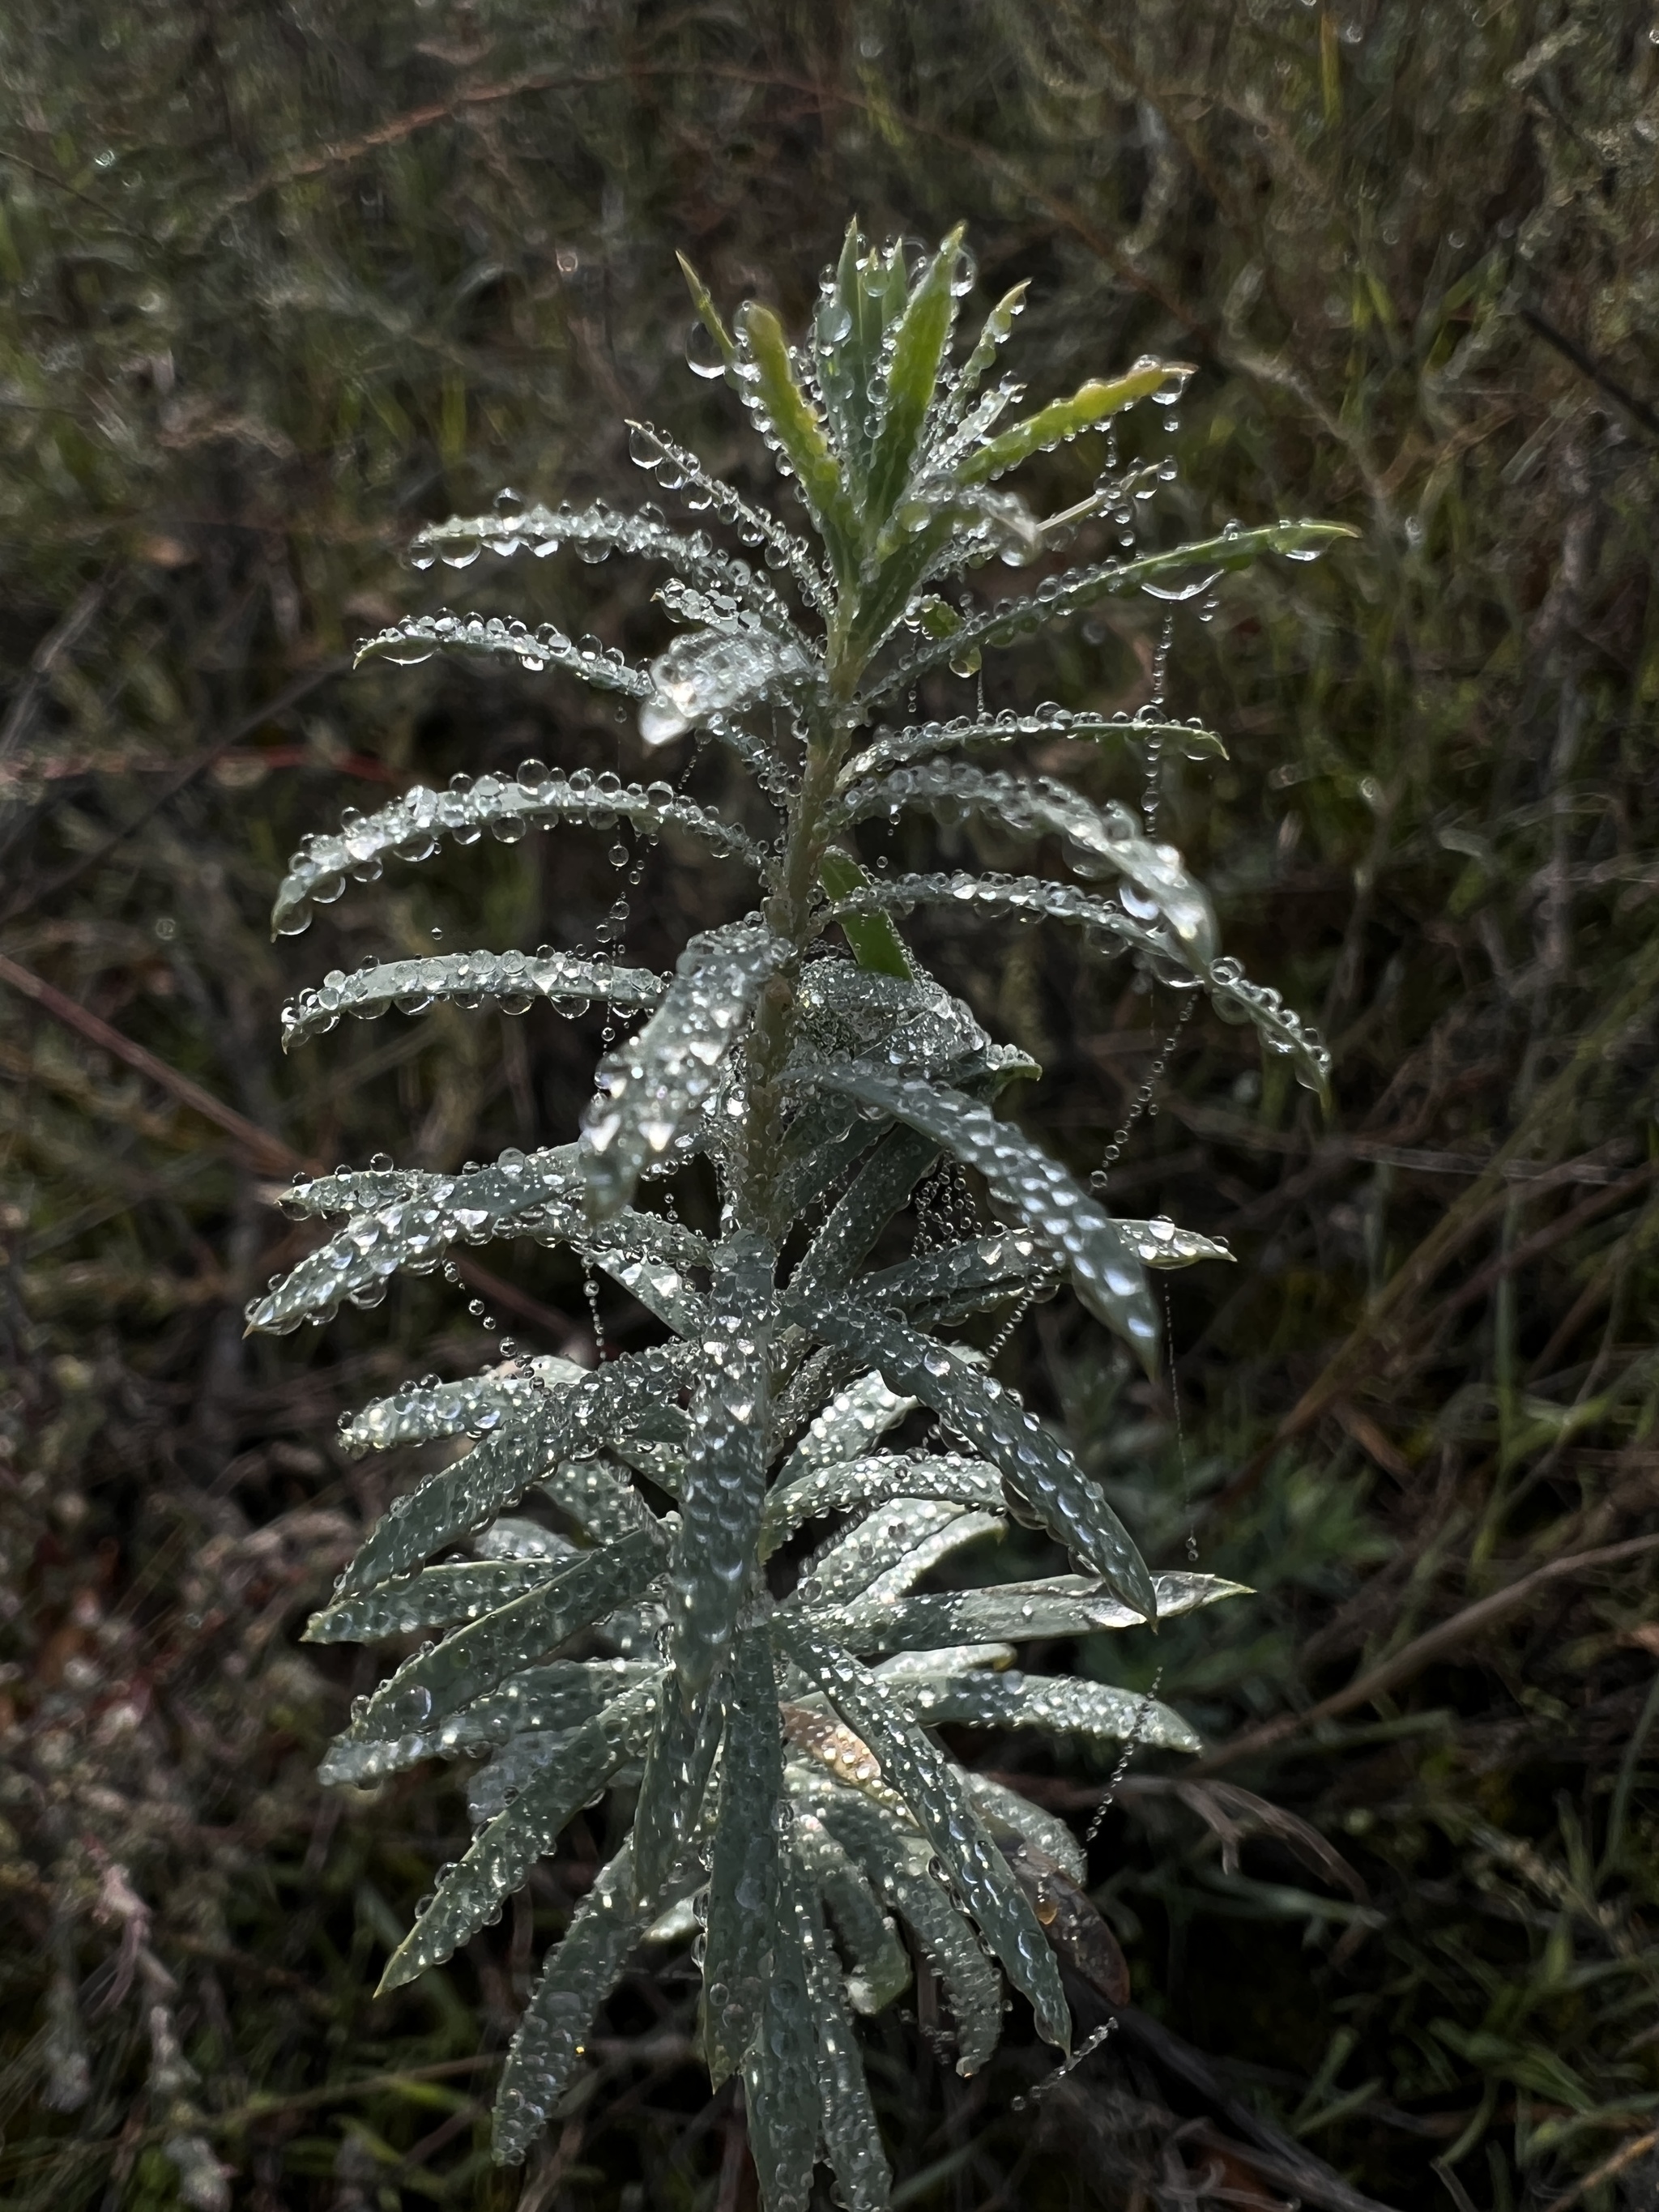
283 281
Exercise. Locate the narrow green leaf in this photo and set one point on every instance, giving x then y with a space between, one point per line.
703 300
580 1972
1090 404
876 943
933 1789
919 346
743 1877
502 1855
767 381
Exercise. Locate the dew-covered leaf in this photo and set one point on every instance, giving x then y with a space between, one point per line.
723 1485
920 740
1059 1703
851 2140
913 367
931 1551
416 638
816 1489
432 1599
652 1086
949 1284
895 1856
1001 1807
1058 596
711 674
780 2068
1104 1265
578 1974
879 1968
441 1679
676 468
419 1413
848 1566
1108 929
875 1194
1062 420
514 980
1059 1604
743 1865
788 421
856 1417
1037 1469
472 1892
876 944
684 1738
931 1789
413 826
1098 841
413 1226
600 529
458 1500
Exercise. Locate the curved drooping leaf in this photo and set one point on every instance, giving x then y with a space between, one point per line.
743 1875
1002 1807
471 1661
413 826
713 674
413 1229
1107 928
541 530
1059 1605
415 638
579 1973
499 1860
818 1489
676 468
418 1412
1059 597
1105 1266
932 1790
724 1481
1055 1702
1098 841
895 1856
514 980
919 741
1037 1469
656 1083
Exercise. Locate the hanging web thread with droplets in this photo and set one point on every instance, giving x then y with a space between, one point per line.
1145 1100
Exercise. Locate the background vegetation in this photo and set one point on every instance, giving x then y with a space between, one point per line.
282 281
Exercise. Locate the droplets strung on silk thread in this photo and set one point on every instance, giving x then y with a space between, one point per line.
1086 2049
1131 1745
1145 1100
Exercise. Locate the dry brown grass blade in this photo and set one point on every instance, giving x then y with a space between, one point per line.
1446 1635
270 1154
